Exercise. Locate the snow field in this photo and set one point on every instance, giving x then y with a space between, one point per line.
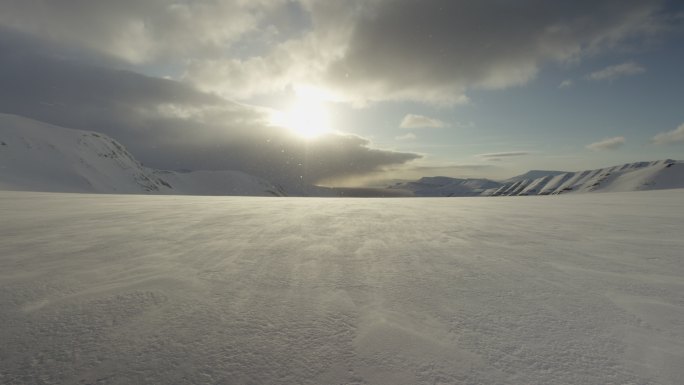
114 289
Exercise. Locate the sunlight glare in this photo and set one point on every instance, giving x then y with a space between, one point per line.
308 116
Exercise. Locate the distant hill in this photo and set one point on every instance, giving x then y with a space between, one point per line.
35 156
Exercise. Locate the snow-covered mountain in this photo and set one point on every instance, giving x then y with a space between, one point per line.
36 156
533 174
442 186
657 175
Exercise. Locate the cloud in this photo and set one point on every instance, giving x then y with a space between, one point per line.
236 48
143 30
449 169
286 63
408 136
497 156
171 125
607 144
675 136
364 50
617 71
436 51
420 121
567 83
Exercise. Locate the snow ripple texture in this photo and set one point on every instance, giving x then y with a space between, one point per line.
583 289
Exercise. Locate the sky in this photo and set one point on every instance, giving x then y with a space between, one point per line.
355 93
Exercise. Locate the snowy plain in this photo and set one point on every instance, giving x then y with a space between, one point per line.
125 289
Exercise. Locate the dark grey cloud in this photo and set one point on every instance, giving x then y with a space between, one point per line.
171 125
438 49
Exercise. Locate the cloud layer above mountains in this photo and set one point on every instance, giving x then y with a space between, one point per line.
172 125
61 62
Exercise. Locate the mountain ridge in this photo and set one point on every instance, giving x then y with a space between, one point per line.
533 174
36 156
637 176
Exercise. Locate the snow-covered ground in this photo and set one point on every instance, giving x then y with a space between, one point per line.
123 289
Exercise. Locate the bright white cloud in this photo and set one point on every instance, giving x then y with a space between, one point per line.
607 144
675 136
617 71
408 136
420 121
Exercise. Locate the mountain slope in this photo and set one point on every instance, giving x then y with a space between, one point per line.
657 175
36 156
533 174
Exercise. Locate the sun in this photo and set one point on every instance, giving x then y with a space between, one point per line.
308 115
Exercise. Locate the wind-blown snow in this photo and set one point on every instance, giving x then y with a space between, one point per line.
122 289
